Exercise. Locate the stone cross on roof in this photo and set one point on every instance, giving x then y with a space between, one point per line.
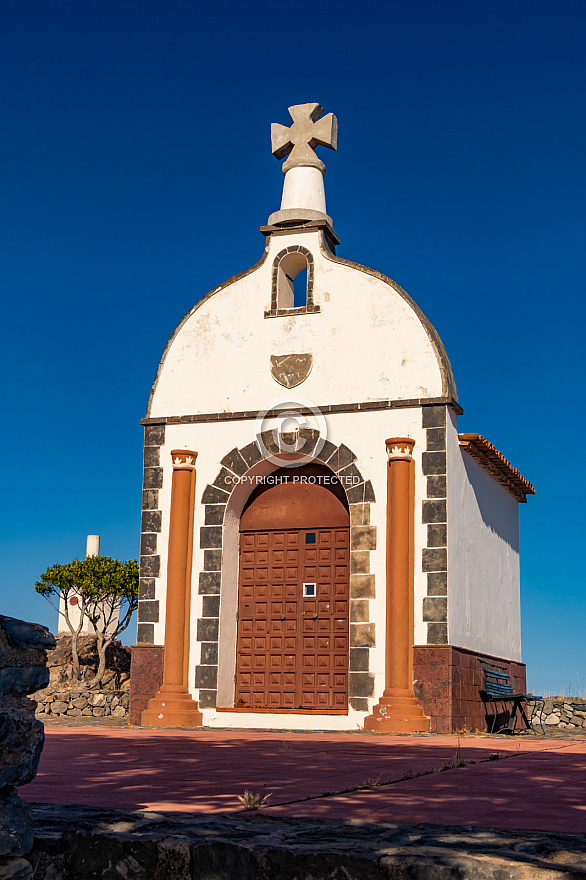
308 130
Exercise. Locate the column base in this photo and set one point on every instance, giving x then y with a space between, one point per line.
397 713
172 709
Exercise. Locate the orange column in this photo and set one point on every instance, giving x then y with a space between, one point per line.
173 706
398 710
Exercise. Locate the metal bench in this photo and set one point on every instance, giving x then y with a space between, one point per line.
498 689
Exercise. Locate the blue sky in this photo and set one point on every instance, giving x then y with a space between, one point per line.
135 170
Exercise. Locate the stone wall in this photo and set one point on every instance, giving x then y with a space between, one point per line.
83 703
566 714
66 696
22 672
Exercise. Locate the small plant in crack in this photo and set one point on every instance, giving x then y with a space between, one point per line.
372 782
457 759
252 801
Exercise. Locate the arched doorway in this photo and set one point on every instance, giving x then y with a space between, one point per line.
293 596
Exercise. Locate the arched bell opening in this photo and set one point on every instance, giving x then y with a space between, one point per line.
292 281
292 646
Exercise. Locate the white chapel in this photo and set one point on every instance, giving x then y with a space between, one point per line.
321 548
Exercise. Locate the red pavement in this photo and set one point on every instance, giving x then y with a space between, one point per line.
537 784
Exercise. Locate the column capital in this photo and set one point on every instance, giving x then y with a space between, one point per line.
183 459
400 448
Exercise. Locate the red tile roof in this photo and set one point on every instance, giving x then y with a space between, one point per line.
497 465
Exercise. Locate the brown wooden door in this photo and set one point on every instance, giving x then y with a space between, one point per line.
292 649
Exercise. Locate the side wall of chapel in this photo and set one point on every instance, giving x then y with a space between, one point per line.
484 610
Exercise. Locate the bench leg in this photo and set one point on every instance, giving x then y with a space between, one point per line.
534 705
524 716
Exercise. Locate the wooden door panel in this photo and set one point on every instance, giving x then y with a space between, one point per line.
292 651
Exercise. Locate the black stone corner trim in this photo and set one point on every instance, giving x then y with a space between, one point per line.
145 634
437 633
434 512
340 459
148 544
151 520
150 566
433 417
146 588
435 609
360 684
154 435
207 699
359 704
206 677
148 611
151 524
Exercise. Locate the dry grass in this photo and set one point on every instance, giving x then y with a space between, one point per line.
252 801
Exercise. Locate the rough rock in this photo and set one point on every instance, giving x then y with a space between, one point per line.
23 635
22 671
16 830
58 706
19 869
23 679
21 743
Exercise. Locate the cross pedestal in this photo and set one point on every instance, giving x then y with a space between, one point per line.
304 195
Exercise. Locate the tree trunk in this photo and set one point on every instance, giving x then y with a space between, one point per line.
75 655
74 635
101 645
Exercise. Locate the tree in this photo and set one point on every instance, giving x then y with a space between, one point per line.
107 594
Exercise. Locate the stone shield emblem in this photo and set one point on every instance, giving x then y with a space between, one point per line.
291 369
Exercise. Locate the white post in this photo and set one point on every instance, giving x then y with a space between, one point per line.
92 546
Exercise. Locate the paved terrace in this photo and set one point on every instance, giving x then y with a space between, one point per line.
522 782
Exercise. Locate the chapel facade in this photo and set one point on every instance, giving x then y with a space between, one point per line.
321 548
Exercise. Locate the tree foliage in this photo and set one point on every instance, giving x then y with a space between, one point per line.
107 595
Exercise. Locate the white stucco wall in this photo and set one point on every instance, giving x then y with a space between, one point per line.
365 436
367 343
483 558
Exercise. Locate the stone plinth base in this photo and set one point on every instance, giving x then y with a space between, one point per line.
146 677
448 682
175 709
397 713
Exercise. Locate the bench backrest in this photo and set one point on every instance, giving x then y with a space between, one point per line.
497 681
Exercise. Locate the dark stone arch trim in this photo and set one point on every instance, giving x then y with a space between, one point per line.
310 307
363 536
